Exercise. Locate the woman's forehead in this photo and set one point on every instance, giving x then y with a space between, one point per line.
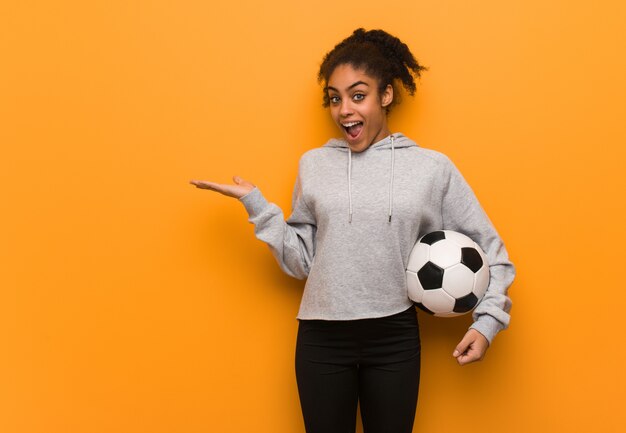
346 76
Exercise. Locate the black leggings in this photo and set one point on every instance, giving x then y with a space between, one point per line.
372 361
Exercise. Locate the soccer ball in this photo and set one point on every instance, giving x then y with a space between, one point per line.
447 274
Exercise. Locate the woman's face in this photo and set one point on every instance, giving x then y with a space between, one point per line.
357 107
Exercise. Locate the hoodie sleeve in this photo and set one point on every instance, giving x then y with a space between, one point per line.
463 213
292 242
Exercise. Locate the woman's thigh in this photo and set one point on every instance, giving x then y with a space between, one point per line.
389 374
327 376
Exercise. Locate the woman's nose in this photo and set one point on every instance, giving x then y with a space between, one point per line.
345 109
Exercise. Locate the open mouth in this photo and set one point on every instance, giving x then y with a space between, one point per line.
353 129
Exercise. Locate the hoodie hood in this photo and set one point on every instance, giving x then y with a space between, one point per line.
393 141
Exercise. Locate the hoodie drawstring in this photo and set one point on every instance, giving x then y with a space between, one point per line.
350 183
390 182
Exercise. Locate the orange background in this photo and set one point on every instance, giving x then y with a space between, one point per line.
132 302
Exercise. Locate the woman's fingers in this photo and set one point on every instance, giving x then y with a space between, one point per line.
241 187
471 348
217 187
202 184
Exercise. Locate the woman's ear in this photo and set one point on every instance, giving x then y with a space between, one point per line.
387 97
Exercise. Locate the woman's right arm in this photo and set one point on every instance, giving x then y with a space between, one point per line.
292 242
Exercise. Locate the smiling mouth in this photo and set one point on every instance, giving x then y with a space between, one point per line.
352 128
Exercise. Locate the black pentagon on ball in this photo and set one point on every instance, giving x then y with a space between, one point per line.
433 237
471 258
421 307
430 276
465 304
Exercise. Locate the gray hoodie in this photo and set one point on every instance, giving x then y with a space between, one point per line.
355 219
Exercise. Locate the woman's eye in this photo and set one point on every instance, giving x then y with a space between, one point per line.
358 97
334 99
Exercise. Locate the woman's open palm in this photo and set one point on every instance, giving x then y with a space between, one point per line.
238 190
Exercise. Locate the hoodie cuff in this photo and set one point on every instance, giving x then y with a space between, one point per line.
254 202
487 326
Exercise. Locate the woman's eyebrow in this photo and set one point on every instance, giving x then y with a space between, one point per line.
349 87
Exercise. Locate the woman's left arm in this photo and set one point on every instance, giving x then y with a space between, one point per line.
463 213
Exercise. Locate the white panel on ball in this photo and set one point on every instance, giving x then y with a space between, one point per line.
459 238
438 301
481 281
458 281
414 287
418 257
445 253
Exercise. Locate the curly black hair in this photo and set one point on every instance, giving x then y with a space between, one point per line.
378 54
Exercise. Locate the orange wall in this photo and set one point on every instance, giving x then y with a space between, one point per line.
132 302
